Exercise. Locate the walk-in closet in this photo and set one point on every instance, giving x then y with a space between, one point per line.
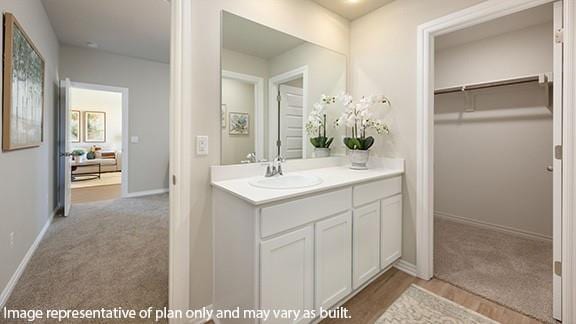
494 160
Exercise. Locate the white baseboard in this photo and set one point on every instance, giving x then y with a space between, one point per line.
202 320
146 193
406 266
7 291
496 227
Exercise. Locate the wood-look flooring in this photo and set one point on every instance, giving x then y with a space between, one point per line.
91 194
369 304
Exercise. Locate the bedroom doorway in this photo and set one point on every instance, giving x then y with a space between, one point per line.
97 131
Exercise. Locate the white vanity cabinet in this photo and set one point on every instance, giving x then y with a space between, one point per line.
333 254
287 271
390 237
305 252
366 243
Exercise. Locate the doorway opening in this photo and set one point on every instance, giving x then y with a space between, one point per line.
98 128
243 96
287 107
489 176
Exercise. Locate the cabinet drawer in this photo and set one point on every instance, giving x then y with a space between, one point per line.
369 192
282 217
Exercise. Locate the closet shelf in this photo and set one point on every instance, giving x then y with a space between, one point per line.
540 78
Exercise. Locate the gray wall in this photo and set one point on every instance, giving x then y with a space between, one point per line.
506 143
27 182
149 85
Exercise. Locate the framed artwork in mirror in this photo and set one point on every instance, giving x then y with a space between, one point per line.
94 127
23 88
75 128
239 123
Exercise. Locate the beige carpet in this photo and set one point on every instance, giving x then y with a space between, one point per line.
417 305
105 255
508 269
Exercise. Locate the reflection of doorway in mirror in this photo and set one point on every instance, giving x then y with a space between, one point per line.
292 118
242 93
223 111
238 98
287 116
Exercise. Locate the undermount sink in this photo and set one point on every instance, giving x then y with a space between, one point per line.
291 181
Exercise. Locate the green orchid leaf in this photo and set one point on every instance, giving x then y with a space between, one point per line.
321 141
352 143
367 142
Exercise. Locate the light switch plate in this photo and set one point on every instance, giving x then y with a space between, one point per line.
202 145
134 139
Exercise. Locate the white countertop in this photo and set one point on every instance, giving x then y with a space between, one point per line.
332 177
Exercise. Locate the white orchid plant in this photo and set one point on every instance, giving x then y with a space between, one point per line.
359 117
316 125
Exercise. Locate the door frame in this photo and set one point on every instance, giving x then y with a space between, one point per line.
273 84
483 12
125 124
258 84
180 156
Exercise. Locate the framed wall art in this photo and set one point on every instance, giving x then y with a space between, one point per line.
239 123
23 89
94 127
75 126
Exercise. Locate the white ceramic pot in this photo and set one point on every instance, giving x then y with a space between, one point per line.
320 152
358 159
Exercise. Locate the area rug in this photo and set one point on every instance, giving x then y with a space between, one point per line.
417 305
106 179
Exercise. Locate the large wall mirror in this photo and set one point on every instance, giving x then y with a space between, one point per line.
270 83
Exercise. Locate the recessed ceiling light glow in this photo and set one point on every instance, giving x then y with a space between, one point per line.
91 44
352 1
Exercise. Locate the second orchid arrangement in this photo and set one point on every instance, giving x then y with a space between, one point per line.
316 125
359 118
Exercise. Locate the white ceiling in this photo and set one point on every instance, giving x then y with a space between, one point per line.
524 19
245 36
352 9
137 28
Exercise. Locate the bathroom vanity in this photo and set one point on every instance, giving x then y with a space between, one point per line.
312 244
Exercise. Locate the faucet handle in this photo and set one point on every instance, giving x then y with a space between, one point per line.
251 157
269 171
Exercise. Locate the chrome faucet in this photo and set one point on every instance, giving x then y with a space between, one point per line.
275 167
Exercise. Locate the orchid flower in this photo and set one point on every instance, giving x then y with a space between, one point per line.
359 117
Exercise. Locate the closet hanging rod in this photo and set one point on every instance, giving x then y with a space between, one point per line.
542 78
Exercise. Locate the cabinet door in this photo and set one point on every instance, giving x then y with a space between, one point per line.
287 272
333 259
391 233
366 243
